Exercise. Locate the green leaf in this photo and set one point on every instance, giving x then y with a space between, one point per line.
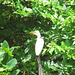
7 50
57 65
51 50
59 7
2 69
44 52
1 54
1 57
26 50
63 45
11 63
67 42
69 66
11 50
52 67
27 58
33 63
17 47
73 57
15 72
5 44
28 41
3 73
56 51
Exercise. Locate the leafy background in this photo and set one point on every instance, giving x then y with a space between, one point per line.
55 19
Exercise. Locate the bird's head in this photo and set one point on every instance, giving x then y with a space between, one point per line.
37 33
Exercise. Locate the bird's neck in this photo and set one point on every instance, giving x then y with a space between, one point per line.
39 36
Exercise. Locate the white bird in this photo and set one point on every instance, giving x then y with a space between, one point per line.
38 48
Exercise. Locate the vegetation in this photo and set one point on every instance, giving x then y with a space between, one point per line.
55 19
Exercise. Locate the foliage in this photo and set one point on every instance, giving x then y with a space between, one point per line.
7 62
65 54
55 19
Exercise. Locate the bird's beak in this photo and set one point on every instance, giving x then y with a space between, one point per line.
32 32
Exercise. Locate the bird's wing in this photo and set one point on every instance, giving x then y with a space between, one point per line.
39 46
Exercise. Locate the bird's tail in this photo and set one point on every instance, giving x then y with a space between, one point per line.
39 65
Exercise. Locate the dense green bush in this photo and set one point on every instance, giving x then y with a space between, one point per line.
65 54
55 19
7 62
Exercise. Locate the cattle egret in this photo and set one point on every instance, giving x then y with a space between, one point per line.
38 48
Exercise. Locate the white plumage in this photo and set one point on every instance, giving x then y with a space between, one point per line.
38 48
39 43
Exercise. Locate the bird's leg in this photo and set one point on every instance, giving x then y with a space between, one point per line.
39 65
